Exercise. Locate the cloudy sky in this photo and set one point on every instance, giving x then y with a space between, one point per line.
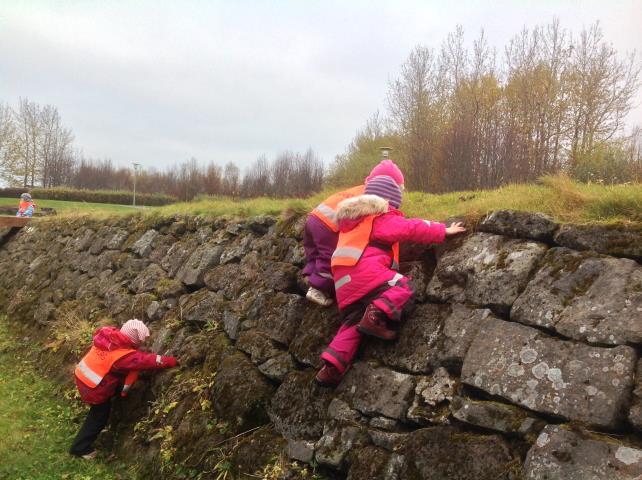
158 82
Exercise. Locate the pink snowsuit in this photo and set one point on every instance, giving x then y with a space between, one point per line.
372 280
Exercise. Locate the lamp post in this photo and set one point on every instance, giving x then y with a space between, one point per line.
136 165
385 152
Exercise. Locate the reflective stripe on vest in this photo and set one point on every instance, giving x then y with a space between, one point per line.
351 246
342 281
326 211
97 363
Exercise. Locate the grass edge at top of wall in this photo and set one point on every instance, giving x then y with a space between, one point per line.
564 200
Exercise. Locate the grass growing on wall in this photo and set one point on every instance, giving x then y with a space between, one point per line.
37 426
558 196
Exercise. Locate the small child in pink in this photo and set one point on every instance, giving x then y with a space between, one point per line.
370 291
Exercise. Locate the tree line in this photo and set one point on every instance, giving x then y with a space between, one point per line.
36 150
289 174
457 118
460 118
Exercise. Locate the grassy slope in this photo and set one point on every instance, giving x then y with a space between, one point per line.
559 197
37 427
564 200
63 207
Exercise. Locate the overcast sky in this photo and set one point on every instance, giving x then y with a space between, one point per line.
158 82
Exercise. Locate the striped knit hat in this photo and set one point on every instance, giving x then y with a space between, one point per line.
136 330
385 187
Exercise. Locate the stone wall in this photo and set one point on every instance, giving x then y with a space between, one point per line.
519 361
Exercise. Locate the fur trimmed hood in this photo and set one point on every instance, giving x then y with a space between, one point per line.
360 206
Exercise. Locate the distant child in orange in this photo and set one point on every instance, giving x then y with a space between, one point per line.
26 207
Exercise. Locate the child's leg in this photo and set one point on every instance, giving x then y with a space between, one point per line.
96 420
326 244
343 347
319 243
392 301
310 248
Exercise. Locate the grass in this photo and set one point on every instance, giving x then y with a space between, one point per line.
558 196
36 425
75 208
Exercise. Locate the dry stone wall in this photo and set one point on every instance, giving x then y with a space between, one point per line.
520 359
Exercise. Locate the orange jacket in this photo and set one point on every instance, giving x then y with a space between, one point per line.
352 244
97 363
326 211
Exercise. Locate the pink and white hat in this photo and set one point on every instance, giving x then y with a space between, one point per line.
136 330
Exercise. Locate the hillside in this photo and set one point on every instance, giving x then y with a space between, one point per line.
558 196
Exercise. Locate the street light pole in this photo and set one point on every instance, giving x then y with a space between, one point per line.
136 165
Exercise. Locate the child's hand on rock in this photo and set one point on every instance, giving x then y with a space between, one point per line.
455 228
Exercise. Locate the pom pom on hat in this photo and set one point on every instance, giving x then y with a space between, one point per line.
386 188
388 168
136 330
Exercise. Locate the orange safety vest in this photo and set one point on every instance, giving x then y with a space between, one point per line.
326 211
352 244
97 363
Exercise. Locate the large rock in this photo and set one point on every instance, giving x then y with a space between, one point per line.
635 415
203 307
145 244
192 273
369 463
432 336
278 316
394 390
619 240
299 405
241 393
148 279
337 441
489 270
448 453
317 328
432 397
561 454
585 296
177 255
544 374
495 416
258 346
536 226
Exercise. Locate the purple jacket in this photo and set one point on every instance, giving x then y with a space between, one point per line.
374 267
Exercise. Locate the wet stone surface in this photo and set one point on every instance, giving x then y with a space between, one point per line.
487 270
617 240
561 454
548 375
585 296
536 226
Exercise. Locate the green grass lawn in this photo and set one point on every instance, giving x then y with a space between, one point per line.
558 196
75 208
37 426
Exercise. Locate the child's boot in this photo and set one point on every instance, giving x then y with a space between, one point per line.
328 376
374 323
